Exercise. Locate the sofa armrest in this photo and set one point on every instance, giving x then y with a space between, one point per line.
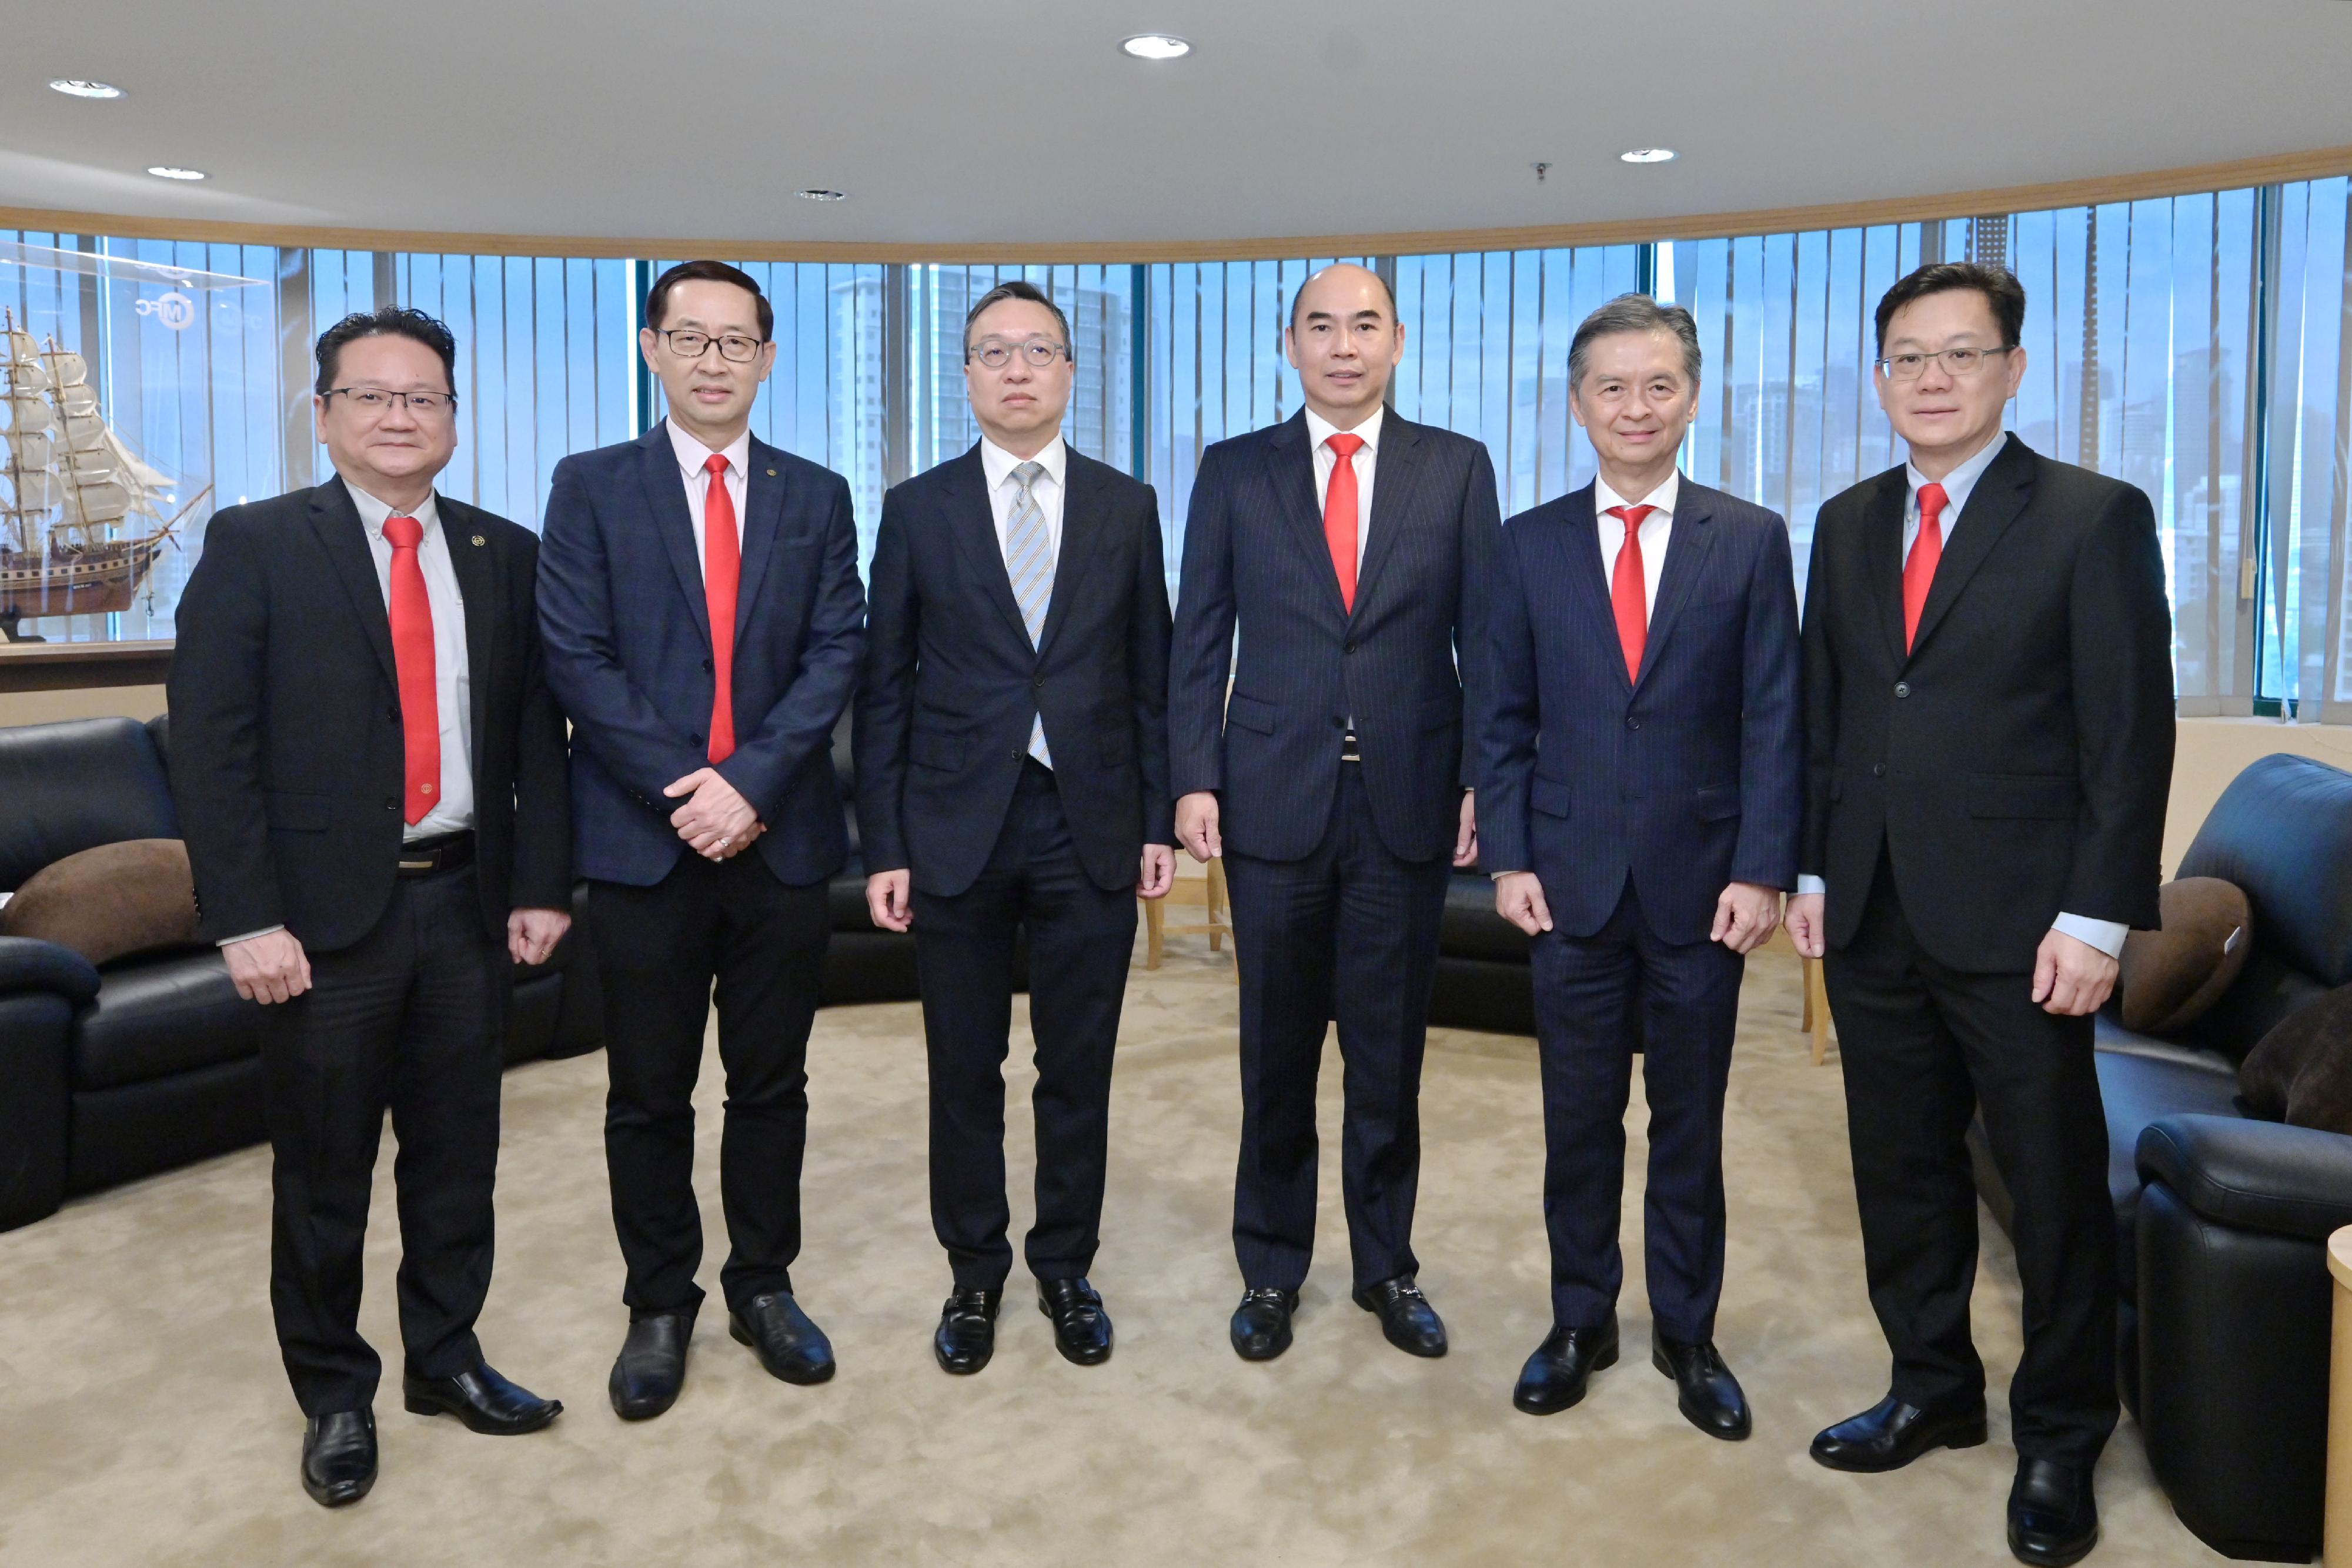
28 965
2253 1176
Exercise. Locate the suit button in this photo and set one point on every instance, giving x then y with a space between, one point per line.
708 667
391 805
1346 647
1041 683
694 739
1018 754
1632 723
392 714
1902 688
1878 770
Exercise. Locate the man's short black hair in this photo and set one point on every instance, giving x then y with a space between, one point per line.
1996 284
657 301
1018 289
384 320
1386 287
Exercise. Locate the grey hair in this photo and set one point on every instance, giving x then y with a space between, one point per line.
1633 313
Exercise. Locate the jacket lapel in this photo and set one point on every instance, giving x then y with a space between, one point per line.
471 561
1688 540
1293 467
1395 467
665 489
1082 526
972 522
2000 494
763 522
1882 550
1590 584
344 537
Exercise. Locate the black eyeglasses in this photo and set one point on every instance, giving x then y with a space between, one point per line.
1956 361
996 353
379 401
688 344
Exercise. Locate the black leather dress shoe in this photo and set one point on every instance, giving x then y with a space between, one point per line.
1890 1434
339 1456
1081 1327
1556 1376
1705 1392
1261 1325
486 1401
2053 1519
789 1345
651 1367
967 1334
1405 1314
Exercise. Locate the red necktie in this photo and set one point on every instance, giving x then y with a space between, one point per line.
1628 590
1919 572
412 660
1339 514
722 569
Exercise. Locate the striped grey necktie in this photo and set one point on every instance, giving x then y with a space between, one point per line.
1029 561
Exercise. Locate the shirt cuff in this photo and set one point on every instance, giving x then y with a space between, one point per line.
248 936
1811 885
2106 935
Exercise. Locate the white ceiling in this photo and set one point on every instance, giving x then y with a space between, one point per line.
1019 120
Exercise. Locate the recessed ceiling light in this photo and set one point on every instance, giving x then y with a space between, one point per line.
1156 46
79 86
1647 155
815 194
168 171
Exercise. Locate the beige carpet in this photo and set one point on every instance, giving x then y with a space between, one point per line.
145 1419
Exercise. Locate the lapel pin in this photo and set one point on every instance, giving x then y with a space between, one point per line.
771 472
478 540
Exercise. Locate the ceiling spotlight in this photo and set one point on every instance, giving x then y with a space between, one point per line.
1156 46
1647 155
78 86
815 194
168 171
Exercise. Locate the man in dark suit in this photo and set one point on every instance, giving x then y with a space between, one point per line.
1640 797
369 774
1011 746
699 594
1989 744
1350 548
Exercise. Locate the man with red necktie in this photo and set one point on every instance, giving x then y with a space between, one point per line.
1348 546
368 769
1642 768
1989 739
699 594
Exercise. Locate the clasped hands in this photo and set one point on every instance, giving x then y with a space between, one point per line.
1744 915
2070 977
716 822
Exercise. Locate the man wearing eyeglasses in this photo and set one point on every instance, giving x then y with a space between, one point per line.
368 770
1012 752
1989 733
699 598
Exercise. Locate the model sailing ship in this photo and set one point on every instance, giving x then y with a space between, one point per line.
79 502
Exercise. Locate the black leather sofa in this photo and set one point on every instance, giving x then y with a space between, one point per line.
1483 978
112 1072
2222 1221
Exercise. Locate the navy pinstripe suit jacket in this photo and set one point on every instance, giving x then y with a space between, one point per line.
1255 557
1686 778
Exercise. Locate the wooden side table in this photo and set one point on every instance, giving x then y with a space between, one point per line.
1218 923
2336 1527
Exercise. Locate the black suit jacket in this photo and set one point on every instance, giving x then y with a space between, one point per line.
2015 763
286 751
1255 558
1685 780
952 683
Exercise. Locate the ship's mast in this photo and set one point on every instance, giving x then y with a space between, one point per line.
16 511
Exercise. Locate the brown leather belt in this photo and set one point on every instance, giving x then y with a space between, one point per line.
430 857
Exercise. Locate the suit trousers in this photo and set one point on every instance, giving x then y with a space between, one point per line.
1081 940
729 931
1349 931
410 1018
1599 999
1926 1046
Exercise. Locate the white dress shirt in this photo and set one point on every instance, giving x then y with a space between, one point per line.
1320 432
1004 490
1656 530
691 457
2106 935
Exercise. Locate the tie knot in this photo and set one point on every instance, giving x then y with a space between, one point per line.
1931 502
715 464
1344 445
403 532
1632 516
1027 473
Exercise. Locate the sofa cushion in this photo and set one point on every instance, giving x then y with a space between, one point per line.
109 900
2302 1070
2283 831
74 785
160 1015
2173 975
